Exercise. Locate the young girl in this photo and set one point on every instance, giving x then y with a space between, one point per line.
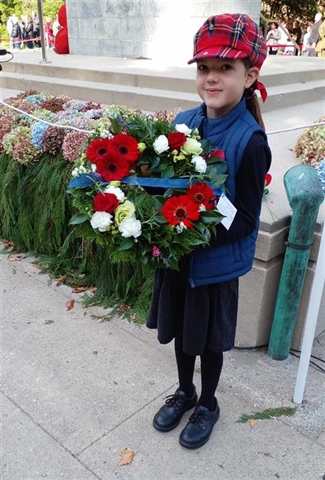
197 305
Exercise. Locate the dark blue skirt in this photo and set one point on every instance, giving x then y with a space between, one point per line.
204 316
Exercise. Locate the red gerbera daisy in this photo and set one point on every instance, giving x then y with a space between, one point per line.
113 168
181 209
126 147
98 149
201 193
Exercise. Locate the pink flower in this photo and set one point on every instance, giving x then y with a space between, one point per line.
155 251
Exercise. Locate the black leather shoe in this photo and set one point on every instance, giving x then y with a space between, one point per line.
200 425
169 416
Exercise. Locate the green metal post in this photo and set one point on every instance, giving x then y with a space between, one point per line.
305 196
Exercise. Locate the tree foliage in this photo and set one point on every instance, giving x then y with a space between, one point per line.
290 10
26 7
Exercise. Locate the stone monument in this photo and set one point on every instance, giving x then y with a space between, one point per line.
156 29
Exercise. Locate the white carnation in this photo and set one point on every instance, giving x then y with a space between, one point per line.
199 163
161 145
182 128
130 227
76 172
115 191
106 134
180 227
101 221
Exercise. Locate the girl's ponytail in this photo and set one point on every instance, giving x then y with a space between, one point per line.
253 106
252 103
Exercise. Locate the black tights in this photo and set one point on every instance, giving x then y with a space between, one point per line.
211 366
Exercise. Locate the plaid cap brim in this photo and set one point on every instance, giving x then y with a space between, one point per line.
220 52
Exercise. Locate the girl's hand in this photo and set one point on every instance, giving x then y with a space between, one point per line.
145 171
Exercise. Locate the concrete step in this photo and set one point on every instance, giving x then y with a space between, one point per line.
175 79
148 99
151 86
151 98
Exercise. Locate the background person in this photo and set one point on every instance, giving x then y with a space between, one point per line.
16 36
273 37
296 35
314 35
29 33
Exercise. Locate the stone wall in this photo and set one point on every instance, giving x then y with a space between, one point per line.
259 289
156 29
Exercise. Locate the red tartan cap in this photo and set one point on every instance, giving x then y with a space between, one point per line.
230 35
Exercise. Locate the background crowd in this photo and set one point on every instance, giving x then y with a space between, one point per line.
295 37
24 32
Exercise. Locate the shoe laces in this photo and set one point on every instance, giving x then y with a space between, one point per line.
175 400
198 416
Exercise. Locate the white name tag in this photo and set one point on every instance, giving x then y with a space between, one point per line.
226 208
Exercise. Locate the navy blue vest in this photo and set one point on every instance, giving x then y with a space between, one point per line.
231 134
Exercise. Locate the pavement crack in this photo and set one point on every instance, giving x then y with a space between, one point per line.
75 456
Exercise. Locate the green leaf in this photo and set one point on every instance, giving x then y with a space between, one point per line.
145 259
211 217
126 244
169 172
79 218
206 145
199 242
159 219
172 262
216 179
116 128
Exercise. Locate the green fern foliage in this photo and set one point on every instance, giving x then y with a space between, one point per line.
11 175
44 208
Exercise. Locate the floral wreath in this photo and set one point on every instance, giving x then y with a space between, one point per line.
148 190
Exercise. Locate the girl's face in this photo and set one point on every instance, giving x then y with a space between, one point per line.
221 83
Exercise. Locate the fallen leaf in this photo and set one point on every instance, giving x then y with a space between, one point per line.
127 456
95 352
79 289
70 304
60 280
8 244
14 258
124 307
253 422
266 454
134 316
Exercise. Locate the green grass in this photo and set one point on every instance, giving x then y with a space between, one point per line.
268 413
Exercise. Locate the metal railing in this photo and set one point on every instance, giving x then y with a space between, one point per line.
271 20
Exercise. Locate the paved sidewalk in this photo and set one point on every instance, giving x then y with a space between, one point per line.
76 391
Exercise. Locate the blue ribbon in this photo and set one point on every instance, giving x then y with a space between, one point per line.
87 179
166 183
